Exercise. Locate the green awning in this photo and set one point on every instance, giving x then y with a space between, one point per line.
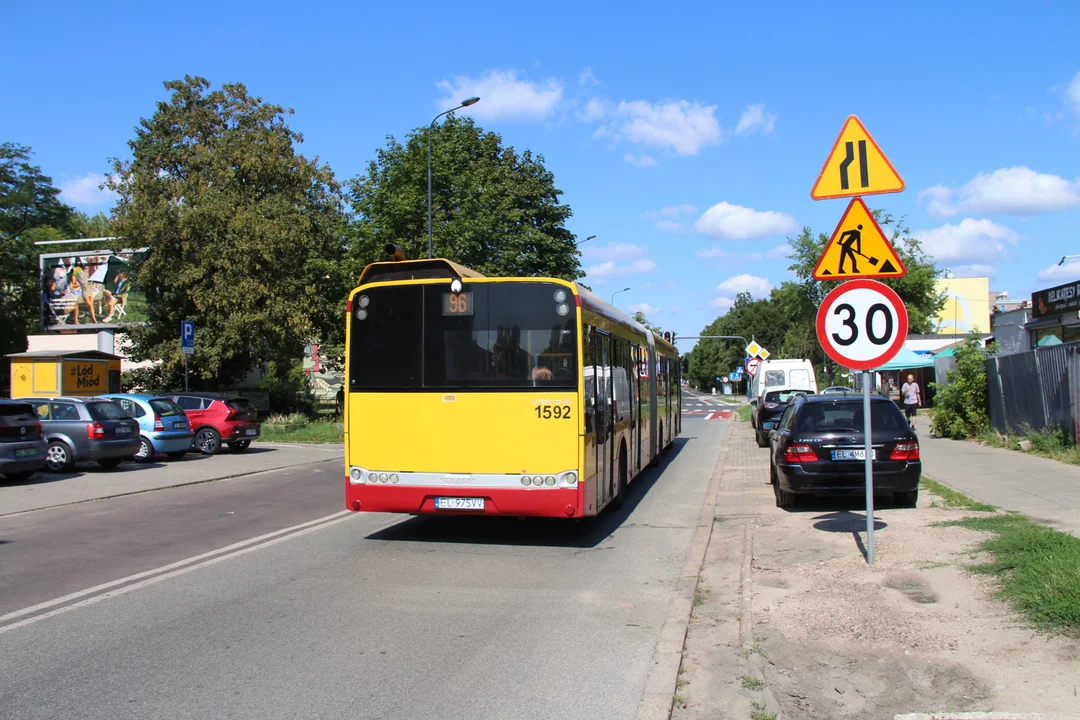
908 359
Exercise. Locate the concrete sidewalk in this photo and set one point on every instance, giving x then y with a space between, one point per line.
90 482
1045 490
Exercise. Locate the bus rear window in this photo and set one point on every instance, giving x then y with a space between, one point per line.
491 336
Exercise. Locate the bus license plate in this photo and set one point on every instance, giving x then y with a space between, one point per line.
453 503
852 455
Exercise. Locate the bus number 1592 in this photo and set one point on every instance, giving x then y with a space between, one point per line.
553 412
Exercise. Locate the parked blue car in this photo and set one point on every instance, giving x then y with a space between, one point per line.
163 425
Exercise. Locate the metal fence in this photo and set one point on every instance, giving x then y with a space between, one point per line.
1036 390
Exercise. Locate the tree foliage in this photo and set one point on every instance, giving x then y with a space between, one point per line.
642 320
960 404
245 234
785 321
30 211
495 210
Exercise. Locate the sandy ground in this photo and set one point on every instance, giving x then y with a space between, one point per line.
913 633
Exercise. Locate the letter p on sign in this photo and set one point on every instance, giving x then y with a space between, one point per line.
187 337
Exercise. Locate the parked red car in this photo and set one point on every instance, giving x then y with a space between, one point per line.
218 418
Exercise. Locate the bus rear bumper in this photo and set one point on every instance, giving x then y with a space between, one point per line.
526 502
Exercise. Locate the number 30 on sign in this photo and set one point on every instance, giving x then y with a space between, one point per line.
862 324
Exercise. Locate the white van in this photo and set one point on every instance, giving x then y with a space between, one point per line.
784 375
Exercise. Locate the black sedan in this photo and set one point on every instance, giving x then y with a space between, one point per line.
817 449
771 409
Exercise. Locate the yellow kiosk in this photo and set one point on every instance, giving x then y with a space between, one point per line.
49 373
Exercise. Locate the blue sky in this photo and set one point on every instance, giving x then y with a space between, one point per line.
685 137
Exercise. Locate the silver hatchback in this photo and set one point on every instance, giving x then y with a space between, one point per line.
85 430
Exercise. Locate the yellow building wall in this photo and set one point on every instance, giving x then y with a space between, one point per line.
85 377
967 305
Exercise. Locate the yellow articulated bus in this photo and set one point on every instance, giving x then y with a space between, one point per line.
499 396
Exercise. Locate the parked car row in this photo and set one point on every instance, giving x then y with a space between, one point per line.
56 433
817 445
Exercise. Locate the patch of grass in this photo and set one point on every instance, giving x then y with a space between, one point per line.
743 412
681 683
699 598
751 683
679 699
1038 568
755 648
760 713
953 498
314 432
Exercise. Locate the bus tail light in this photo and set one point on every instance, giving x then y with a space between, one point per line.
800 454
356 475
550 481
569 479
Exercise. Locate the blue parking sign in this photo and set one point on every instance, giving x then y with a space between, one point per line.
187 337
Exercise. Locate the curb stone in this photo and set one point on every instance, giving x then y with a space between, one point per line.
986 716
658 701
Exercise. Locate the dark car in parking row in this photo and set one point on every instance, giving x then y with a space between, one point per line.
85 430
817 449
771 409
22 440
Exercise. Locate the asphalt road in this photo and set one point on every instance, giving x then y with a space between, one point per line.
357 616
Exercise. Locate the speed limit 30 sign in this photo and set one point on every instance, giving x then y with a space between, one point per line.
862 324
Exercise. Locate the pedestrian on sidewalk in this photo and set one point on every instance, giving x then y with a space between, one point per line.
912 399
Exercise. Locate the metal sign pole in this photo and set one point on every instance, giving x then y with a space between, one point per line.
185 373
869 464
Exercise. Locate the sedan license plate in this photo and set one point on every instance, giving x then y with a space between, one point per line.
123 430
252 431
26 452
852 455
457 503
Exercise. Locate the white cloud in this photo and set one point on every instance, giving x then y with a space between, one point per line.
1017 190
780 252
725 221
84 192
969 240
1072 95
670 226
668 218
502 96
587 78
678 126
594 110
756 286
614 251
723 303
1064 273
976 270
641 161
644 308
755 119
612 269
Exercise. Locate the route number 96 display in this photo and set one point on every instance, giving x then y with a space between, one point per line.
862 324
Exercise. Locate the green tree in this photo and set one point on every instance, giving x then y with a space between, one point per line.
961 403
640 317
495 210
762 320
91 226
30 211
246 235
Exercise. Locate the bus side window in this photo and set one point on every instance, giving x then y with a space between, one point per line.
588 367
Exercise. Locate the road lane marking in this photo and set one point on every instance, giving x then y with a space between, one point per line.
97 593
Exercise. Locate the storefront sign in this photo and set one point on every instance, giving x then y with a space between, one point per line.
1056 300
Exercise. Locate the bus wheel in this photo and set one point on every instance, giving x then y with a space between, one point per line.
620 496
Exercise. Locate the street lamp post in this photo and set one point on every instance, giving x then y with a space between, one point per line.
587 239
464 103
616 293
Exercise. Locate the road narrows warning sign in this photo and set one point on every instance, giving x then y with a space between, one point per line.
858 248
856 166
